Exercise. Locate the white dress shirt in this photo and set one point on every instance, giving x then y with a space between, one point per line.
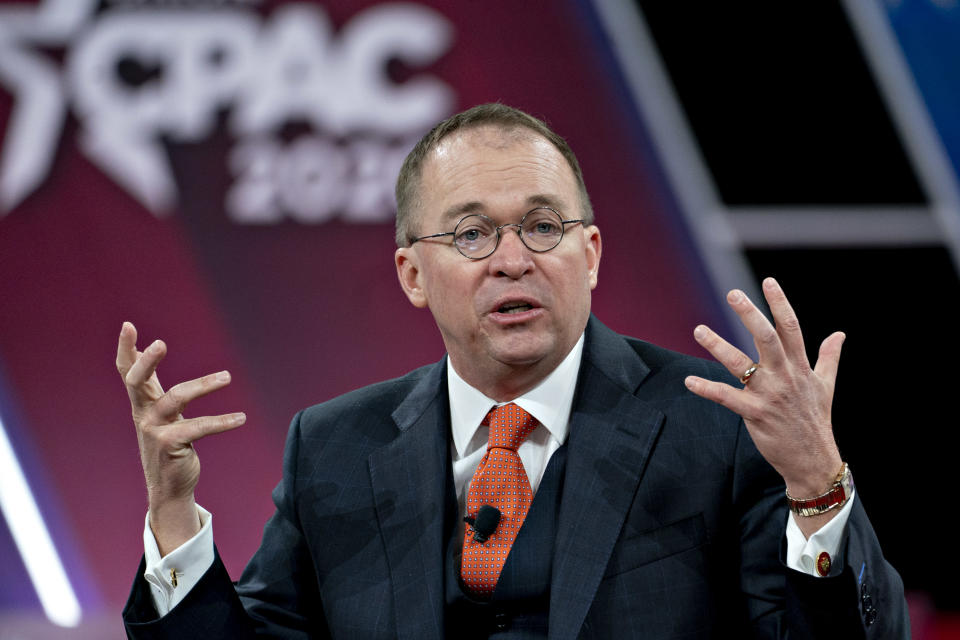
549 402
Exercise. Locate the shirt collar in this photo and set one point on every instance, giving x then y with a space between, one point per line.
549 402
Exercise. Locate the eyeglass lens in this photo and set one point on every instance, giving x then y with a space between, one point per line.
540 230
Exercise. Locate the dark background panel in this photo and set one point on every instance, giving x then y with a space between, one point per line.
892 417
788 117
782 103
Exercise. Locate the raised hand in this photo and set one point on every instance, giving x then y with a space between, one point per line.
784 403
170 463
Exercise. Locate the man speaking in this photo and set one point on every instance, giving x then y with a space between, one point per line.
548 478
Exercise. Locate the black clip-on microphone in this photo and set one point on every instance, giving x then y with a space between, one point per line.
488 517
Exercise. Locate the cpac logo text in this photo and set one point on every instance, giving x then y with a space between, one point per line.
134 78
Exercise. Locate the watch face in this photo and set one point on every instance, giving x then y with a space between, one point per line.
847 483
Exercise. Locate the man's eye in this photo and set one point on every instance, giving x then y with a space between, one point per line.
544 228
470 235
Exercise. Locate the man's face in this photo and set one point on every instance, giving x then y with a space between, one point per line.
516 312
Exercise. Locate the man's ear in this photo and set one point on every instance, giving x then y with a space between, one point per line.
408 272
594 247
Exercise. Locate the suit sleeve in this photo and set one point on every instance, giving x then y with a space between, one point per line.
276 596
861 598
863 588
210 610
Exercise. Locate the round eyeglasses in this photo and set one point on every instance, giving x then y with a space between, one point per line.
476 236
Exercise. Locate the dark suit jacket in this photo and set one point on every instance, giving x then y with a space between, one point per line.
671 524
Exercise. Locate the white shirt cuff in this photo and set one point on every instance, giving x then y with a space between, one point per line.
188 562
802 553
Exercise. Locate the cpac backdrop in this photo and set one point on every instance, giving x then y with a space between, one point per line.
220 173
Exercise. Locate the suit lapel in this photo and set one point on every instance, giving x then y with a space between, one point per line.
611 436
409 477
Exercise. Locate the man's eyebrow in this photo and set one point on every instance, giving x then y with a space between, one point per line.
546 200
457 211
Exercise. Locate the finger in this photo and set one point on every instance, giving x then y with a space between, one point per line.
729 356
764 335
788 326
829 358
126 348
140 375
176 399
723 394
194 429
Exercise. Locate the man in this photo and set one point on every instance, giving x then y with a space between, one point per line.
635 504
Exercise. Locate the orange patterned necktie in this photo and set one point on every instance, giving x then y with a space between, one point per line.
500 481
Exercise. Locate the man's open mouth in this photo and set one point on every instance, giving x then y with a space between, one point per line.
514 307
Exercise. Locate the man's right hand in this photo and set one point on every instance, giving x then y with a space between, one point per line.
170 464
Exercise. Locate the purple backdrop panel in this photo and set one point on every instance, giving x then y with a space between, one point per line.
247 221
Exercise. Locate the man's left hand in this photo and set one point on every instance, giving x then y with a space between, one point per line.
784 403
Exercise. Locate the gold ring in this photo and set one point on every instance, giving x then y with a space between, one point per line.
749 372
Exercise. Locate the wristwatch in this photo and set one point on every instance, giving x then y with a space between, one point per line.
835 497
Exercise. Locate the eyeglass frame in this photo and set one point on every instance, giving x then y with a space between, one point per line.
497 228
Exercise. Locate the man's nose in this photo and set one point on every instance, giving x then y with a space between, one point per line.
512 258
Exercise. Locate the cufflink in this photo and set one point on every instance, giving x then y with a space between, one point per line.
823 564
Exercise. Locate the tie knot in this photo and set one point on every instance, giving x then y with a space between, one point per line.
509 426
